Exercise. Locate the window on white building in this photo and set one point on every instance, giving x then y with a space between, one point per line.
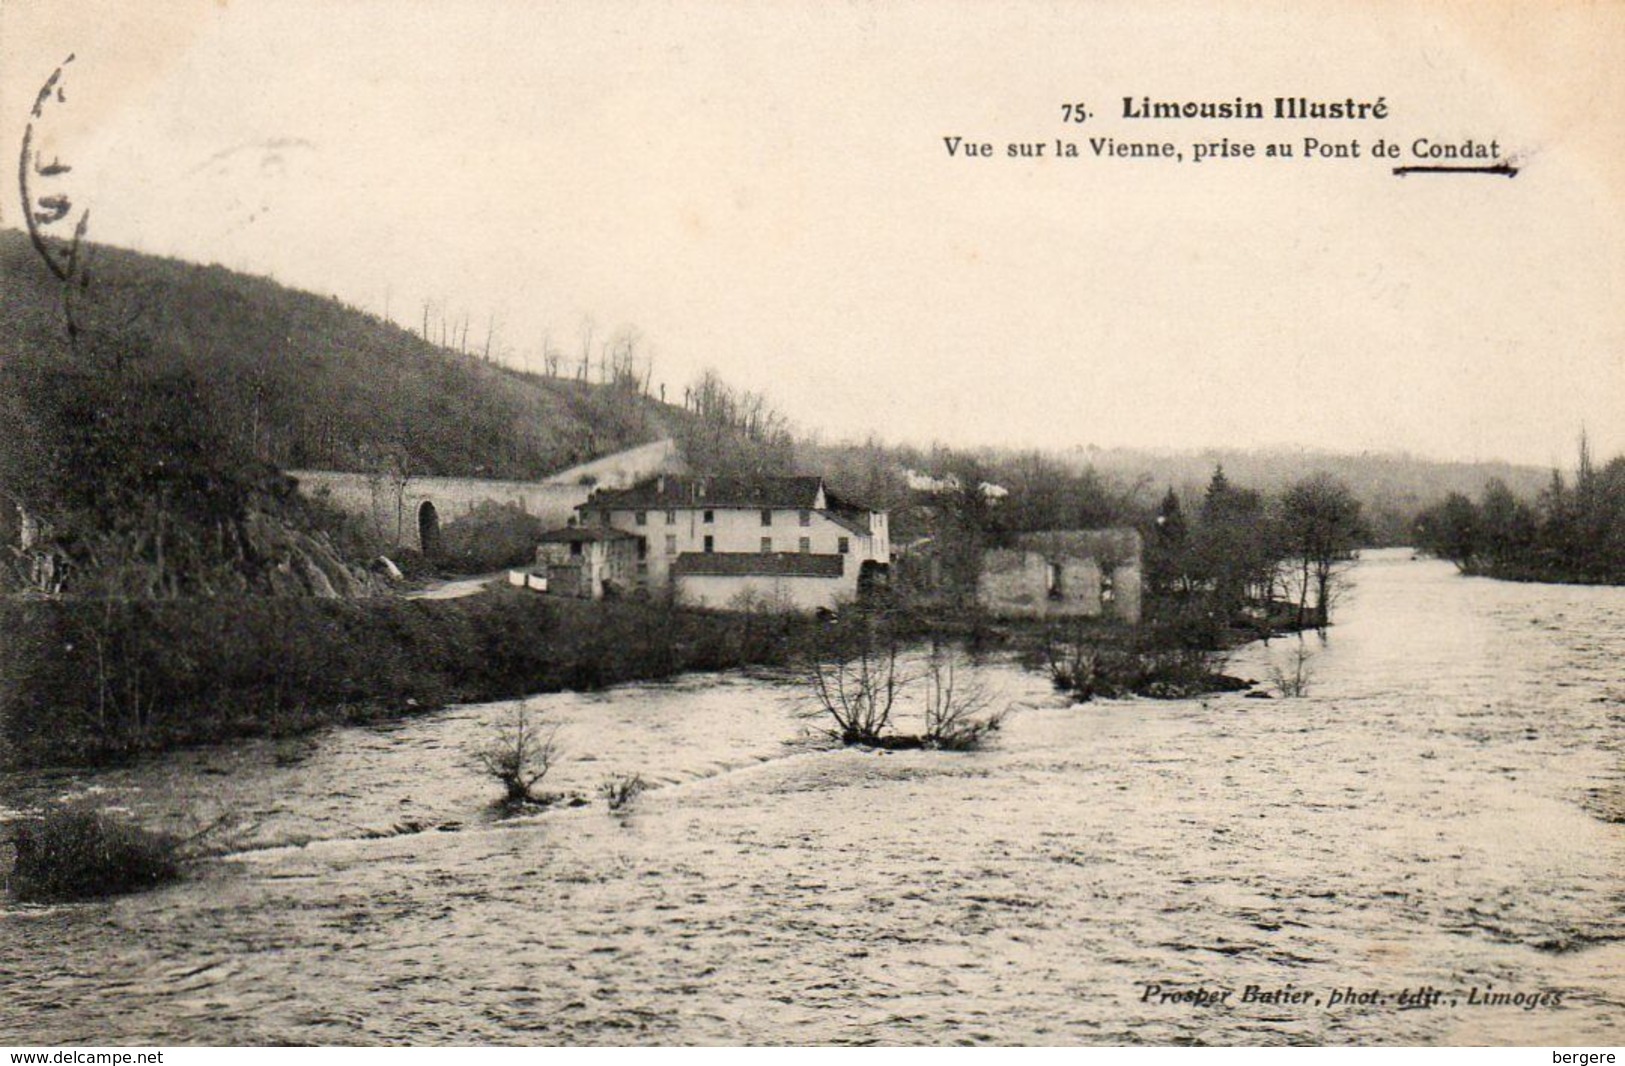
767 517
710 544
642 518
671 518
767 545
671 544
843 545
806 545
806 518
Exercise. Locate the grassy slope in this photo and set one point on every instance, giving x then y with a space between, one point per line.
304 381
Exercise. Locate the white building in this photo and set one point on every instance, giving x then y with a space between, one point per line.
714 540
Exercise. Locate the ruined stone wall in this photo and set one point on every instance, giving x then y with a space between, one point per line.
1064 573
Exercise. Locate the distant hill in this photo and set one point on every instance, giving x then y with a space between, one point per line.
1393 487
304 381
1124 486
1393 476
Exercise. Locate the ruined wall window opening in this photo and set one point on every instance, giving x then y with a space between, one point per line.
1052 580
643 549
575 547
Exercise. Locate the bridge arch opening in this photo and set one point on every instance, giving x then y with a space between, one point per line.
428 528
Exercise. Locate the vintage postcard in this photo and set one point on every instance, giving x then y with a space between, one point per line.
945 523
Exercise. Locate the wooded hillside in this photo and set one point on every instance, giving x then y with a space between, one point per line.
305 381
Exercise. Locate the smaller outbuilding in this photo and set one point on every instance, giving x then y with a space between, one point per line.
589 562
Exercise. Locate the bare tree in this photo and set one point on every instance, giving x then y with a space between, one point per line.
1292 679
551 356
956 703
520 753
388 470
586 349
853 676
1320 529
626 370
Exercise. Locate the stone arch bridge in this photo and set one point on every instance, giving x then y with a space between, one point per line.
409 512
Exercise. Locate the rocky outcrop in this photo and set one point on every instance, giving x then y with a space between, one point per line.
298 563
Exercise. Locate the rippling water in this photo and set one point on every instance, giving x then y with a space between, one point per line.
1444 809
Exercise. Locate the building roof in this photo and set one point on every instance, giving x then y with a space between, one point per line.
846 514
671 491
758 564
581 534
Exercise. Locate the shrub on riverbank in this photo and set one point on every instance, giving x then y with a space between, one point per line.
492 536
92 680
73 853
1572 533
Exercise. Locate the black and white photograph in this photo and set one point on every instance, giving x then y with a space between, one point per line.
785 523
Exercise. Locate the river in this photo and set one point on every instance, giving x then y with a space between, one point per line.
1444 809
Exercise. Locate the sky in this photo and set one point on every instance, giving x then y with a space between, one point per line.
764 189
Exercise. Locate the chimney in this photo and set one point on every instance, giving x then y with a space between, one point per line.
660 485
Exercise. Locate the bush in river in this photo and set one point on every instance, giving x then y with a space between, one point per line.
1159 662
76 853
857 678
520 754
621 790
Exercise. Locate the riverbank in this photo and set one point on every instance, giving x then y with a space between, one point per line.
1542 574
93 681
87 682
